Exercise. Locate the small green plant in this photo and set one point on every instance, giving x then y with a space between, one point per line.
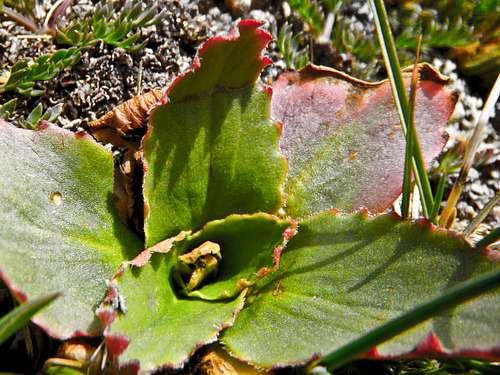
112 23
25 74
437 33
7 109
288 46
35 117
329 26
310 13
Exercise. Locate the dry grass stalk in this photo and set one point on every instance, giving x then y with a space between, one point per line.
470 150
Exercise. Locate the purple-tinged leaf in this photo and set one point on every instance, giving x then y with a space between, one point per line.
343 138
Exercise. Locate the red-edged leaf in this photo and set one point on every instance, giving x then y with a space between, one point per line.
160 325
211 149
342 275
343 138
59 231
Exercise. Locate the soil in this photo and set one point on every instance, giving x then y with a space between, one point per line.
107 76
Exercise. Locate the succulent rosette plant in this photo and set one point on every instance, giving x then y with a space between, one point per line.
256 227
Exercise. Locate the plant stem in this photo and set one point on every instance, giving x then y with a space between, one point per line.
438 198
482 215
450 298
19 18
470 150
55 13
398 90
326 34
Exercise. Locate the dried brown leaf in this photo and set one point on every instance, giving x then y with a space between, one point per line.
124 128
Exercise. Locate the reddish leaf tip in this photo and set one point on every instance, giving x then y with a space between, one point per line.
116 343
290 231
364 212
425 224
106 315
373 353
276 257
80 134
266 61
17 293
43 124
279 126
429 344
491 254
268 90
249 23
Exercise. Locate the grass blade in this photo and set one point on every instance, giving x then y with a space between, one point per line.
405 202
18 317
470 150
400 98
438 198
451 298
493 237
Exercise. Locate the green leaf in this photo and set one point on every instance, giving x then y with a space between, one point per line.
162 326
343 141
17 318
53 113
33 119
247 243
7 108
24 74
342 276
448 300
211 150
58 227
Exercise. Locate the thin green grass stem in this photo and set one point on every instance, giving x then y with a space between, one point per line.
450 298
400 98
410 120
390 57
438 198
420 191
